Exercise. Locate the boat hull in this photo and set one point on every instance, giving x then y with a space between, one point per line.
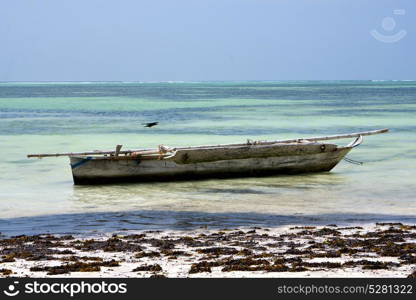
100 170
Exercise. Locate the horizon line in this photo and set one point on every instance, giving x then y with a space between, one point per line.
193 81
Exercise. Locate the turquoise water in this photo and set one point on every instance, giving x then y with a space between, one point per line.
38 195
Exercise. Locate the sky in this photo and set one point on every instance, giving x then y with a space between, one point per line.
204 40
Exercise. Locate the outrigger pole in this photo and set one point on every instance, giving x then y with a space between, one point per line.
161 150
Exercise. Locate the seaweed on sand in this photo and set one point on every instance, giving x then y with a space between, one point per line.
370 264
113 244
6 272
201 267
218 251
147 254
412 275
75 267
153 268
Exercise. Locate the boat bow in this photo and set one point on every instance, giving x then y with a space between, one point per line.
356 142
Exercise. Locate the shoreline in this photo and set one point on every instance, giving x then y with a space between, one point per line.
375 250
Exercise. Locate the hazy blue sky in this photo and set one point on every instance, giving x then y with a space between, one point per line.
151 40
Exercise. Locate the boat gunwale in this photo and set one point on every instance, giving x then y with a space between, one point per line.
168 156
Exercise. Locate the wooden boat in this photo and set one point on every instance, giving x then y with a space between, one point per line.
254 158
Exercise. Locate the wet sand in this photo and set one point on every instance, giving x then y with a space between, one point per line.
376 250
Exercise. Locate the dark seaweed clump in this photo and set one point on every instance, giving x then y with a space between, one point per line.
75 267
32 248
218 251
147 254
113 244
157 276
153 268
201 267
6 272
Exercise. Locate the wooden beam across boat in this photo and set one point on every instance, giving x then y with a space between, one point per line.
311 139
88 153
340 136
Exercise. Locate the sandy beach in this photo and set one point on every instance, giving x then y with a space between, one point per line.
184 139
375 250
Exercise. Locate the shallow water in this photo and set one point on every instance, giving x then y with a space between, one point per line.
38 195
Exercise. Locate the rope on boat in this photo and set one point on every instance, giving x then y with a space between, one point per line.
352 161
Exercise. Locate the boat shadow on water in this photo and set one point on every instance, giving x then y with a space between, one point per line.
230 195
243 185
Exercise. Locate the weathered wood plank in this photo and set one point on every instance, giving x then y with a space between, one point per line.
189 156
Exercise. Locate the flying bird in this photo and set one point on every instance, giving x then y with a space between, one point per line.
151 124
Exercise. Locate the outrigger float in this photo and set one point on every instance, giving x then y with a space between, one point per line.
253 158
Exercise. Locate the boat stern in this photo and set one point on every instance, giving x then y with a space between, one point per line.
77 164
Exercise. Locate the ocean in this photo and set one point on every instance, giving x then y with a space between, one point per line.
38 196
